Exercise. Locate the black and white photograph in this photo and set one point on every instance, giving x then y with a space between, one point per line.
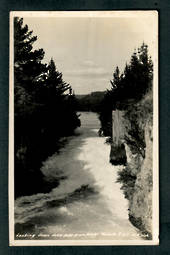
83 128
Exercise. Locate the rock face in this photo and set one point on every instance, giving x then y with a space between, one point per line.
133 147
140 206
117 127
117 153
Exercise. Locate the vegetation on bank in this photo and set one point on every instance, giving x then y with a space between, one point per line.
128 87
90 102
131 92
45 111
140 165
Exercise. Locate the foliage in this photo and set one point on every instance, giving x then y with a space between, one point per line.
129 87
44 110
118 154
90 102
127 179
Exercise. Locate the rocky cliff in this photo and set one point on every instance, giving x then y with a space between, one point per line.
140 203
136 175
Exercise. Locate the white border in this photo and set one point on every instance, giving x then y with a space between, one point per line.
155 199
11 136
155 196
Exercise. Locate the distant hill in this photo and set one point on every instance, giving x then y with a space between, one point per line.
90 102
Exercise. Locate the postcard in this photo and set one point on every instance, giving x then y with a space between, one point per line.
83 128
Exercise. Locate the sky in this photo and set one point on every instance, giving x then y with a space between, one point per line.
87 49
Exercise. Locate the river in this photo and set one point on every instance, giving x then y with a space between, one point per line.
88 199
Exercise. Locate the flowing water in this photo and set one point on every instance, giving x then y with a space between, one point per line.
88 203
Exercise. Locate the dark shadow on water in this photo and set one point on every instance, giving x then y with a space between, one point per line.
34 224
42 216
85 191
79 194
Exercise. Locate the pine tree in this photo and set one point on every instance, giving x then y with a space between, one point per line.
44 111
29 72
56 87
29 76
116 79
129 87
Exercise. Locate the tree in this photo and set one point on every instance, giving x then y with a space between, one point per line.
29 72
62 102
44 111
29 75
116 79
129 87
55 85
